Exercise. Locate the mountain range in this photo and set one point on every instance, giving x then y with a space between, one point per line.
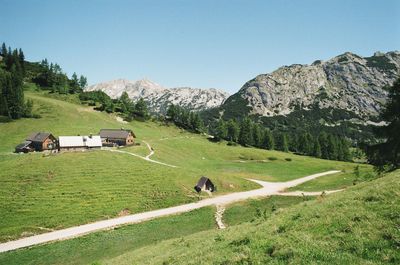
159 97
342 95
348 82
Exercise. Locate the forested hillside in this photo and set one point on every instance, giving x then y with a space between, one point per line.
12 72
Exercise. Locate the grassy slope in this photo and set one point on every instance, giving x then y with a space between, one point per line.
251 210
52 192
357 226
109 244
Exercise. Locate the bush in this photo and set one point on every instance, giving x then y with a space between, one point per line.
272 158
5 119
288 159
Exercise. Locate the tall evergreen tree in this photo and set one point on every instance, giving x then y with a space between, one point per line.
245 134
317 149
268 140
141 109
21 59
171 113
346 150
257 135
232 131
195 122
82 82
285 143
323 141
332 147
386 155
74 84
221 130
16 103
3 50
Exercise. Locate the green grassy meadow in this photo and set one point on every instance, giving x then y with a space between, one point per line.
356 226
45 192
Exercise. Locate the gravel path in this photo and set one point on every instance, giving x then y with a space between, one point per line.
218 216
150 149
267 189
147 158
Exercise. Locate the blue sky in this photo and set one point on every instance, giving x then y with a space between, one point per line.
207 43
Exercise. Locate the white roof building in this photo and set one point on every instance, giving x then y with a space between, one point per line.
79 141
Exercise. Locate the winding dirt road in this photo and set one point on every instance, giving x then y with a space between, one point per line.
268 188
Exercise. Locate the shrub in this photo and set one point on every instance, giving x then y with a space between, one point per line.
230 143
272 158
288 159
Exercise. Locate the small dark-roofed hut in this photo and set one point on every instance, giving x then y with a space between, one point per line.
117 137
205 183
24 147
42 141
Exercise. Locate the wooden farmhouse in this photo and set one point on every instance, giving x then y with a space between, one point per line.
205 184
117 137
79 143
38 141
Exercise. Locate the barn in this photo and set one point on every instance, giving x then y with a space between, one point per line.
117 137
205 183
79 143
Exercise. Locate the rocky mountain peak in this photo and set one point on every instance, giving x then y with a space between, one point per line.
159 97
348 81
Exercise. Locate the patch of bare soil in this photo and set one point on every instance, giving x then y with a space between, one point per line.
124 212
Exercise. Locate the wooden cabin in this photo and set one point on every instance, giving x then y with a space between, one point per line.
205 183
38 141
79 143
117 137
41 141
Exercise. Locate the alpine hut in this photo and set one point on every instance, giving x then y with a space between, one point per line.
79 143
205 183
38 141
117 137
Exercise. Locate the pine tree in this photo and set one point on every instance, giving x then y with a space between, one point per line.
197 123
346 150
171 113
245 134
323 141
5 90
232 131
317 149
268 140
310 143
285 143
16 96
332 147
3 50
386 155
282 141
82 82
257 135
126 104
221 130
294 144
74 84
21 58
141 109
28 108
